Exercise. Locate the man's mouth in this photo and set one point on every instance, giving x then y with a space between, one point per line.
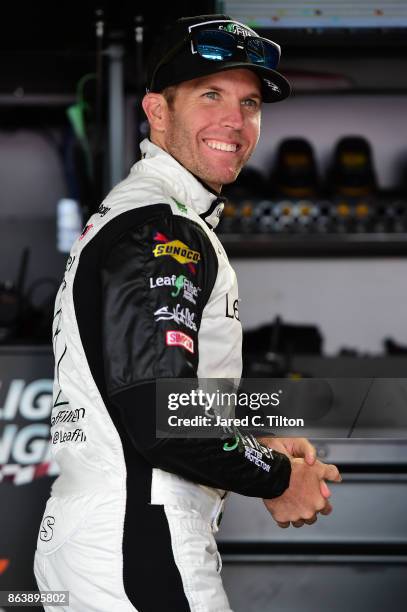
219 145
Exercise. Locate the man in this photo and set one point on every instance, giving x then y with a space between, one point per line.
130 522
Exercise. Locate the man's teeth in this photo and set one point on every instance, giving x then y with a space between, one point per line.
221 146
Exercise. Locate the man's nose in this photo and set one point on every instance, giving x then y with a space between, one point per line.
233 116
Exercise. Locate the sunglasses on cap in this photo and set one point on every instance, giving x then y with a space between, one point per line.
225 40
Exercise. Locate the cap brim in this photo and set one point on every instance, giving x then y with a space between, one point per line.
275 87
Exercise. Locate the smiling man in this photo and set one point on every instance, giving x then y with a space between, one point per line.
211 125
149 293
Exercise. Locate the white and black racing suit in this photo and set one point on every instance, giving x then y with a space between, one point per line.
129 524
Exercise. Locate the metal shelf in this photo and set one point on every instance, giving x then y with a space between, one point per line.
315 245
20 99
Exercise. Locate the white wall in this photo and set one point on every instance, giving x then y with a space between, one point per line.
355 303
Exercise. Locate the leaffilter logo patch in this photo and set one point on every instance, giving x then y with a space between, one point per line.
177 250
179 284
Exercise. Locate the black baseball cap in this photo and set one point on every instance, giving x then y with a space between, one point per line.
183 65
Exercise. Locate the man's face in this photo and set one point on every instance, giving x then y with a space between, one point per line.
214 125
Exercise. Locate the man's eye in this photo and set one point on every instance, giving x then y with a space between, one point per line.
213 95
251 103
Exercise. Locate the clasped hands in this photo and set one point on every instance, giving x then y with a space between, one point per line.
307 494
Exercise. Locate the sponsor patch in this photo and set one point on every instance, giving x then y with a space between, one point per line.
182 316
232 308
59 437
103 210
177 250
85 230
177 338
46 531
180 283
181 207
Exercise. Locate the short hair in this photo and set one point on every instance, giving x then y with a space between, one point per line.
169 94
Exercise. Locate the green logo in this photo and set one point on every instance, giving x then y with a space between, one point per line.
230 447
179 284
181 207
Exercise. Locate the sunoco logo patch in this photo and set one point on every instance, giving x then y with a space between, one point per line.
177 250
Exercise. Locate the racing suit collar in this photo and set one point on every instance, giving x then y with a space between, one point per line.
182 185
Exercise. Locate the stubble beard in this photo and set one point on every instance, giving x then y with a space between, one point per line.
179 146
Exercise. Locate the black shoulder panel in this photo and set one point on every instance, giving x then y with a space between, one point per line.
139 291
156 281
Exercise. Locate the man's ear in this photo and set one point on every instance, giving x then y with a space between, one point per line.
156 109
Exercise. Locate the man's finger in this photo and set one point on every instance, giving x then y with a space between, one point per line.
298 524
303 448
327 510
331 473
283 525
311 521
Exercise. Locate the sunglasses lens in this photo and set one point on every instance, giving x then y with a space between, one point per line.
215 45
263 53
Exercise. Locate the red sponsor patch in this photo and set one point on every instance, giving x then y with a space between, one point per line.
86 229
177 338
159 237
